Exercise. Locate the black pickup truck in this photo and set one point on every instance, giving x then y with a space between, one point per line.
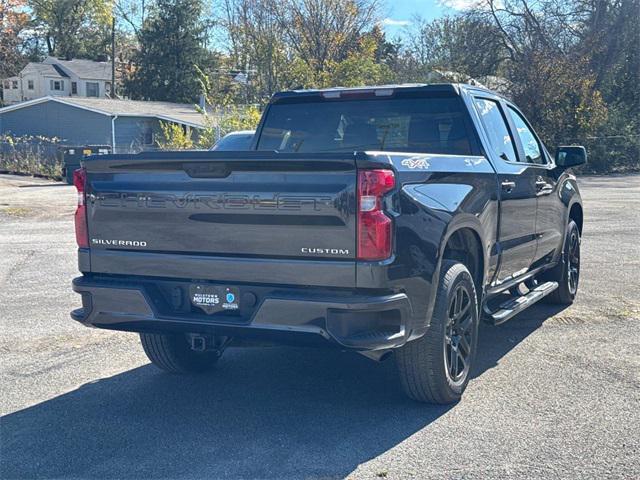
381 220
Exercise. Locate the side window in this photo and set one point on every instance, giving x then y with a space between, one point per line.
530 145
496 128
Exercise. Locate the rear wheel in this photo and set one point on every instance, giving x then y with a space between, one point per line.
436 367
567 272
172 353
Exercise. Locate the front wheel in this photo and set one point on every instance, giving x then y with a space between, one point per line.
567 272
436 367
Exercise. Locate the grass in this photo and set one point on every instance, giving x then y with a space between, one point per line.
18 212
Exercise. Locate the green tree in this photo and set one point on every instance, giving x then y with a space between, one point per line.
171 48
73 28
360 68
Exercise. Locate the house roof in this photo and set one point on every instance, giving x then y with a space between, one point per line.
183 113
85 69
48 70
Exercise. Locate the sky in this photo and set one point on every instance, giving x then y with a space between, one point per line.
399 13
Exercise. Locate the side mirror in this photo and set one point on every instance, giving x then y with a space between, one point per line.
573 156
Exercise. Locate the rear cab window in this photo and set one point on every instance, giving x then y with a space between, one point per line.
437 125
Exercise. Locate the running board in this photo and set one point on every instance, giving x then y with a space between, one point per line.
511 308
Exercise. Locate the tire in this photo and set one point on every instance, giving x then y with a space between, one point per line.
425 374
567 272
172 353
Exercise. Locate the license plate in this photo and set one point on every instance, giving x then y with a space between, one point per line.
213 298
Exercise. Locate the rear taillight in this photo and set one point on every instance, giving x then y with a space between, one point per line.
374 227
80 181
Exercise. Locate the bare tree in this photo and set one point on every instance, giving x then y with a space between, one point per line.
322 31
256 45
463 44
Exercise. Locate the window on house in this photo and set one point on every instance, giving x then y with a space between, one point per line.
56 85
74 88
93 89
30 84
7 84
15 84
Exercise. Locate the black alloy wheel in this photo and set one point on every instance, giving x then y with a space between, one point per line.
567 271
459 333
573 261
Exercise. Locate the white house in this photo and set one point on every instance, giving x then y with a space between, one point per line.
58 78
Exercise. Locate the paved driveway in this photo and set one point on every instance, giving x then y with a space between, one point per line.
556 393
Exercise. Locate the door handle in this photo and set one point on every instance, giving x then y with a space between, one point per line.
508 185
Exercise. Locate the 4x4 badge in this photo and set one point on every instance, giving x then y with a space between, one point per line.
416 163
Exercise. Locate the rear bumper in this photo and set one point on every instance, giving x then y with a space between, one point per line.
348 319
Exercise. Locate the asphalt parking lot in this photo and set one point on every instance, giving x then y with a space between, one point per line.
556 393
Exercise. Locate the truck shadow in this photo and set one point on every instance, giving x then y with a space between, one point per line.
265 413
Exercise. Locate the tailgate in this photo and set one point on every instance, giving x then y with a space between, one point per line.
242 204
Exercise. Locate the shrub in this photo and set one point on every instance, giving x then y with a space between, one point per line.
174 137
229 119
31 155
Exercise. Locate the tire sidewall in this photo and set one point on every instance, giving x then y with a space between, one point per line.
172 353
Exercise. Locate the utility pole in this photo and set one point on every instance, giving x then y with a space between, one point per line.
113 57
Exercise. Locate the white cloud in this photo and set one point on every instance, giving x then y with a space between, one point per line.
390 22
460 4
